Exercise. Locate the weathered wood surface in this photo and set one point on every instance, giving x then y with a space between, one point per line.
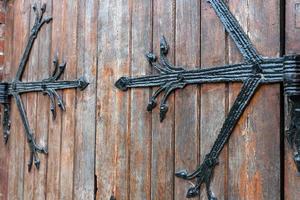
106 144
292 45
254 149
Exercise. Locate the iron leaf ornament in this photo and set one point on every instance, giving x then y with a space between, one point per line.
49 86
254 71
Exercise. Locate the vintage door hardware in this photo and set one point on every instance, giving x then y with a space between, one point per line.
256 70
48 87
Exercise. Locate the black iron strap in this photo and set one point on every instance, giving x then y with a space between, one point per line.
256 70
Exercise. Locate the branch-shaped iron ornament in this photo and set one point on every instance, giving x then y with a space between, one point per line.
255 71
48 87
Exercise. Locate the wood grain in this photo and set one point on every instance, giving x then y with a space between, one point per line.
140 120
106 144
292 46
254 149
44 70
213 96
162 167
84 172
30 103
187 144
113 114
17 141
55 126
4 151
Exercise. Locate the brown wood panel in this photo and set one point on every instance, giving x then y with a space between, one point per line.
140 120
17 142
254 149
68 42
213 96
4 150
162 167
55 126
187 43
106 144
30 74
112 143
44 67
84 169
292 39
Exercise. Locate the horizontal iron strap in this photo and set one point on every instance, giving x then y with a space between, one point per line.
272 73
23 87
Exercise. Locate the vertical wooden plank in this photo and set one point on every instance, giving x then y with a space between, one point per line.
43 105
8 51
86 101
187 117
162 170
213 96
55 126
254 149
30 74
113 114
292 46
68 41
16 143
140 121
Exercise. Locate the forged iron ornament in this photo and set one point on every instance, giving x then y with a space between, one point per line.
254 71
48 87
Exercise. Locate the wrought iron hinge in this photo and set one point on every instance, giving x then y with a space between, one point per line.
49 87
254 71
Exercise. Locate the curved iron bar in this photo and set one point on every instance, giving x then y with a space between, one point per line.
48 87
255 71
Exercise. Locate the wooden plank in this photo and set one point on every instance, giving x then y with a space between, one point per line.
44 70
213 96
292 40
113 106
8 52
30 74
17 141
187 144
55 126
84 171
140 121
68 41
162 170
254 148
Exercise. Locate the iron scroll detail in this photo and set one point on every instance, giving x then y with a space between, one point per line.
254 71
49 86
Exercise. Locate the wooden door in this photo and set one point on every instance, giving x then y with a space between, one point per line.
106 145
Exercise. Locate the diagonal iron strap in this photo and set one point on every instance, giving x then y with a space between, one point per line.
48 87
254 71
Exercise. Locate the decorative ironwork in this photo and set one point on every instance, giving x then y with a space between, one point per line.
255 71
48 87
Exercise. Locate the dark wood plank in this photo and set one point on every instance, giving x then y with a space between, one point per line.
84 171
68 41
8 53
213 96
113 113
292 30
17 141
162 170
254 148
55 126
187 114
140 120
